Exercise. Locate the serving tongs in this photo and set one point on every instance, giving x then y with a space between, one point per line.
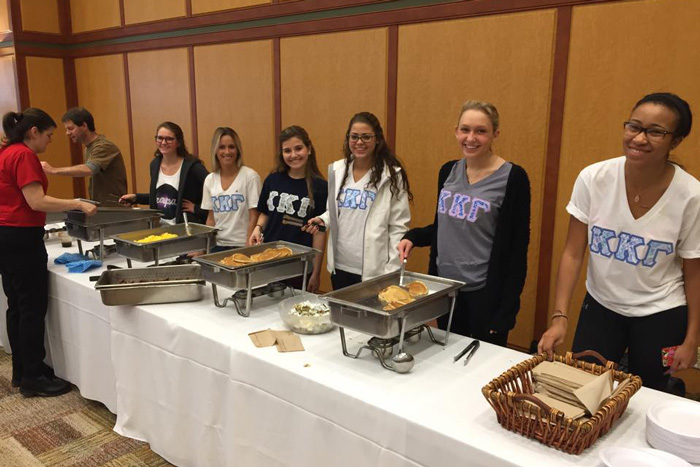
471 348
289 220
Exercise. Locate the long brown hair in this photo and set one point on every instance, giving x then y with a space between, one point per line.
311 168
383 155
179 138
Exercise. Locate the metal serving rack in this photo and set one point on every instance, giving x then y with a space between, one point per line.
357 307
191 237
108 221
254 275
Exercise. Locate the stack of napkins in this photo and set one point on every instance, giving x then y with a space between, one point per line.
571 390
286 341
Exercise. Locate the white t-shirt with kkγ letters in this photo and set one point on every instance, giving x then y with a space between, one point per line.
634 266
354 202
231 206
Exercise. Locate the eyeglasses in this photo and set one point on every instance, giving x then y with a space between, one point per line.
165 139
366 137
654 134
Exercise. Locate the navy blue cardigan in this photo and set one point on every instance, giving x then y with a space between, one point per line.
508 261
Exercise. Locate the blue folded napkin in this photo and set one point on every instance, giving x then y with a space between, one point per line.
82 266
70 258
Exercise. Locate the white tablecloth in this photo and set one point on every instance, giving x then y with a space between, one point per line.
187 379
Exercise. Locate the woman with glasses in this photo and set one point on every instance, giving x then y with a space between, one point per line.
639 217
369 211
481 230
231 191
177 178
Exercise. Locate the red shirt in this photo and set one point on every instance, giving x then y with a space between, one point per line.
19 166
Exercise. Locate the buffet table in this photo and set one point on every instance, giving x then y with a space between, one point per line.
187 379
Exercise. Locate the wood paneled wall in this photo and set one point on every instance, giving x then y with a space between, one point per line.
235 88
4 16
160 91
326 79
8 90
141 11
40 16
90 15
46 91
209 6
414 77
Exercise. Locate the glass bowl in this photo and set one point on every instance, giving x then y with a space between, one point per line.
306 314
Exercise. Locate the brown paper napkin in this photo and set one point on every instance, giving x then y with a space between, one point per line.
264 338
286 341
569 410
593 394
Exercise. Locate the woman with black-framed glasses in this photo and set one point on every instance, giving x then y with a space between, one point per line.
177 179
639 217
368 206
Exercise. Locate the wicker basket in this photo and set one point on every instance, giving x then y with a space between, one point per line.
518 410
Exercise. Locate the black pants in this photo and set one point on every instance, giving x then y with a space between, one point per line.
341 279
610 334
25 281
471 318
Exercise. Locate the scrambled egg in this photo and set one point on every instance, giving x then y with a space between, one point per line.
155 238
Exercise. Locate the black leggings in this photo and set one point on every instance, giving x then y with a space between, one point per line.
341 279
471 318
610 334
25 281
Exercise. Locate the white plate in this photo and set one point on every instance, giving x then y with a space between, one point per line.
639 457
680 418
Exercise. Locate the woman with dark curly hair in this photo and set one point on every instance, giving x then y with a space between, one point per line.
368 210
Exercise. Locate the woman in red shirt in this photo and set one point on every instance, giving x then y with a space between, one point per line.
23 208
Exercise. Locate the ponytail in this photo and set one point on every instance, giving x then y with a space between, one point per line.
17 124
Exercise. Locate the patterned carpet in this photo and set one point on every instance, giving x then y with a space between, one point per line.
62 431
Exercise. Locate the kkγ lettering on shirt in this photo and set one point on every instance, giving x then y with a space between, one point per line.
354 203
634 267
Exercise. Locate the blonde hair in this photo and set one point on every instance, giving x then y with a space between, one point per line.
482 106
218 134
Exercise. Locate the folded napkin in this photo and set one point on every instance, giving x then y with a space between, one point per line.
70 258
82 266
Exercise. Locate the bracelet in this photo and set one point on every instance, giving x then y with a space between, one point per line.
559 315
261 227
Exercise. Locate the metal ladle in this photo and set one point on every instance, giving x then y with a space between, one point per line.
403 362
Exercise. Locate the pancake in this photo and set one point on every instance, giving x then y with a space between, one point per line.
284 252
398 304
417 289
393 293
270 253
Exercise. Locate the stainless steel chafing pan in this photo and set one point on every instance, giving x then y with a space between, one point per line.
108 221
196 237
255 274
357 307
163 284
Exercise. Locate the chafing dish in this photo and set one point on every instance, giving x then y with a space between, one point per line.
163 284
255 274
106 222
195 237
357 307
